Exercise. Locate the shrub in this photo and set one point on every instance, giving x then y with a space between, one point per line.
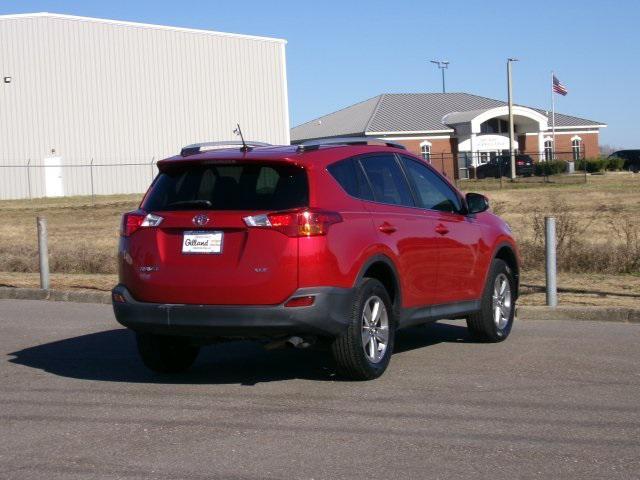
82 258
552 167
593 165
576 250
615 164
18 258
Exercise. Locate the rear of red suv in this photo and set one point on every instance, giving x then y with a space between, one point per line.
208 240
260 243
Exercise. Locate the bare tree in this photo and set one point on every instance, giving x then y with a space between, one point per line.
606 149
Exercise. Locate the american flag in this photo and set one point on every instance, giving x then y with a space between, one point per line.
558 87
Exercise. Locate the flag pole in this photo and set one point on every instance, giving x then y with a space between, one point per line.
553 119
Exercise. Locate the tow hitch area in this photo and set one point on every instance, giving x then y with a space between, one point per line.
295 342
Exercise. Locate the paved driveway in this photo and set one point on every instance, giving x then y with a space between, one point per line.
557 400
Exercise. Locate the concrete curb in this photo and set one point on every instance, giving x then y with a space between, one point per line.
592 314
570 312
78 296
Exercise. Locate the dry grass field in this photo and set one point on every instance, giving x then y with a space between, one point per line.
598 228
83 235
598 222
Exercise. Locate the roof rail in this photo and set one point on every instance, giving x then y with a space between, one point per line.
320 142
200 147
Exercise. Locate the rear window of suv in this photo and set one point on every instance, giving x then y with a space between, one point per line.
229 187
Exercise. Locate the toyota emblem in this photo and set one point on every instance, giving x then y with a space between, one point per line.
200 220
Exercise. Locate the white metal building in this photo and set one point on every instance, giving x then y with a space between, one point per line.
107 92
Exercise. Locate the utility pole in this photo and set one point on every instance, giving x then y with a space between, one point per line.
512 156
442 65
553 119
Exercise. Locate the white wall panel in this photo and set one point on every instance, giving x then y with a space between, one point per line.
120 93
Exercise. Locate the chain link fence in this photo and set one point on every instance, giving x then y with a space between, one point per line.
530 166
62 177
70 177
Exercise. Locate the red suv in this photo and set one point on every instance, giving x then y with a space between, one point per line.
340 241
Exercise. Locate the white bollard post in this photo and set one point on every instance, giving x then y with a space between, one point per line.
43 252
551 263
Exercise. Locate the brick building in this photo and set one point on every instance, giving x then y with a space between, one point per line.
457 131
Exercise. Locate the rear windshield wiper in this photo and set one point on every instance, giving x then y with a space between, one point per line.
191 203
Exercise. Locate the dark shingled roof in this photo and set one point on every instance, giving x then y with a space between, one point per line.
408 112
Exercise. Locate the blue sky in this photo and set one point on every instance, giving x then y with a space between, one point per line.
340 53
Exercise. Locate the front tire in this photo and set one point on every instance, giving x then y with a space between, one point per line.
494 321
166 354
364 350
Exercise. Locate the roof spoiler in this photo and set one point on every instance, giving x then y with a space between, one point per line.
320 142
201 147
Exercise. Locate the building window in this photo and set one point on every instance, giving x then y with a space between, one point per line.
576 148
494 126
425 151
548 150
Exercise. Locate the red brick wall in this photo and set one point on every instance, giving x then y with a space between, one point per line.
528 143
444 151
590 144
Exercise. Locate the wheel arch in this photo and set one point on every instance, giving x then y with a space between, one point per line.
507 254
382 268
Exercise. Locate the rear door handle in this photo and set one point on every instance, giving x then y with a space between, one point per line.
441 229
387 228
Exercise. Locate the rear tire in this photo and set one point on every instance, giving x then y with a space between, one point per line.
166 354
364 350
494 321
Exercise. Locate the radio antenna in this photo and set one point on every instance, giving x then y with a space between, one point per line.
238 131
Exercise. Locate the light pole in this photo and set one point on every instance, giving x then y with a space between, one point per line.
511 130
442 65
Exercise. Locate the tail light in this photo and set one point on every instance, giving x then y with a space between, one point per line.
520 162
133 221
298 223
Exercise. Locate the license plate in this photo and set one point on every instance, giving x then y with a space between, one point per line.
202 242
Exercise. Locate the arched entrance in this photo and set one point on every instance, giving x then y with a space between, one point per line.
484 133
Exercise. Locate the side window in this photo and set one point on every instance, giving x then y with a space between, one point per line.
432 191
388 181
350 177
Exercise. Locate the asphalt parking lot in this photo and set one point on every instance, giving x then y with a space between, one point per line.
557 400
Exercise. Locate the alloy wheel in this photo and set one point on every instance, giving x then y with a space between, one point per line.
375 329
501 301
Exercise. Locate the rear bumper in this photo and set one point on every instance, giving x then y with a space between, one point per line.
328 316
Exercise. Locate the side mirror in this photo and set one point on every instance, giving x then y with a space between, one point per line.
477 203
